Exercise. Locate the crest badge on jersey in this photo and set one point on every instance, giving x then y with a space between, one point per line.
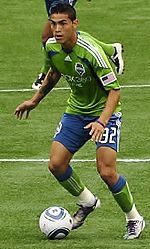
79 68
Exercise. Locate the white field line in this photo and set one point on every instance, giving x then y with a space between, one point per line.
31 90
130 160
66 88
127 160
135 86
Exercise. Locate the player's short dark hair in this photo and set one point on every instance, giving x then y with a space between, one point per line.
63 8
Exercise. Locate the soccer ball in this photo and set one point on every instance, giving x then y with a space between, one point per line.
55 222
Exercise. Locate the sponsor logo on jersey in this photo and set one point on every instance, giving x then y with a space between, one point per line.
77 81
79 68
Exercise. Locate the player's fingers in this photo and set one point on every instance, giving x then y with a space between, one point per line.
100 138
91 133
17 113
27 114
21 114
95 136
88 126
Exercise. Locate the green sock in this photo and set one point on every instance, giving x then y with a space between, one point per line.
124 198
108 48
73 184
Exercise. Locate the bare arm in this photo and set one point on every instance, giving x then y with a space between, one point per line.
49 82
112 101
97 129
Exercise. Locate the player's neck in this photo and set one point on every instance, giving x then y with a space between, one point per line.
70 43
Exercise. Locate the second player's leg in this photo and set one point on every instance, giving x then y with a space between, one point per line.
46 33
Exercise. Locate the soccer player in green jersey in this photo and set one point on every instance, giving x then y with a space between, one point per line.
113 51
93 112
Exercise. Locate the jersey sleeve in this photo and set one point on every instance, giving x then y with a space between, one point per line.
47 64
104 71
108 79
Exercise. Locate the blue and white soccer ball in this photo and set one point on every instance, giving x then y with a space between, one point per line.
55 222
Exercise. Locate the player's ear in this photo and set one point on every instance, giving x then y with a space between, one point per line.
75 23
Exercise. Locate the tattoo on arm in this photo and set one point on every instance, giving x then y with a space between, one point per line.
49 82
45 88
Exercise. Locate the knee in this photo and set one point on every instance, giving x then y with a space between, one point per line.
57 166
54 166
107 173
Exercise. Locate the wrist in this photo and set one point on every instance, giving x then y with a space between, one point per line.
101 123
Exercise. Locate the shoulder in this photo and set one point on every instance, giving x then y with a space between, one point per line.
91 49
88 43
52 45
51 40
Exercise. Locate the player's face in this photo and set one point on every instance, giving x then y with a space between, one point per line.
64 30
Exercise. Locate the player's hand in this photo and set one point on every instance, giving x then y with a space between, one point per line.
96 131
25 107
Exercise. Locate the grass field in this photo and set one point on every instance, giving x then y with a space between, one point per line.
26 188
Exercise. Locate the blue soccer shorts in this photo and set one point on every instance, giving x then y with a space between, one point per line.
71 133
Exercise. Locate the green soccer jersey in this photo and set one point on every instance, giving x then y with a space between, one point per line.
87 70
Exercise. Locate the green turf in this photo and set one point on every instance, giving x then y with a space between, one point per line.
30 142
28 188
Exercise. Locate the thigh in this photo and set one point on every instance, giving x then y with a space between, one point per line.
48 5
51 3
71 132
47 32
